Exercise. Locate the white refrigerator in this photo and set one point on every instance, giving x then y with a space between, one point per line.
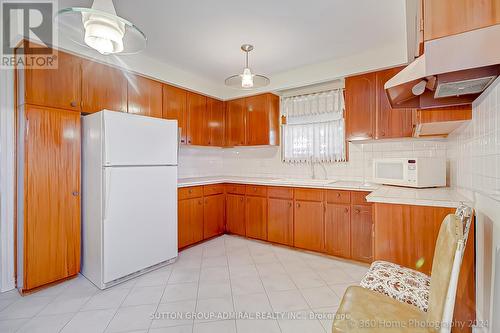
129 195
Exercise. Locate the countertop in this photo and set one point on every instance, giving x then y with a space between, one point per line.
437 197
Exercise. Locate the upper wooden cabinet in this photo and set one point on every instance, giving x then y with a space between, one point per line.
368 112
214 122
449 17
360 99
58 88
196 119
253 121
441 121
144 96
174 107
235 122
103 87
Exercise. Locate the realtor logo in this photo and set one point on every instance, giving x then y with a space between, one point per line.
33 22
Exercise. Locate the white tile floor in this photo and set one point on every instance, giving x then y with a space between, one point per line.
225 275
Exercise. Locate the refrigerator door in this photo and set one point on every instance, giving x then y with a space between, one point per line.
140 218
138 140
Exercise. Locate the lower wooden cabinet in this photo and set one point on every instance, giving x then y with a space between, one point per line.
256 217
338 230
280 221
190 221
308 225
213 215
361 233
235 214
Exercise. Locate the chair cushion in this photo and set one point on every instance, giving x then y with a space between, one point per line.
363 310
403 284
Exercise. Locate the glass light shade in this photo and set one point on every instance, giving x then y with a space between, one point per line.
100 30
247 78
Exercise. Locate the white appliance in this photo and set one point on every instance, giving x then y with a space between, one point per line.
129 201
412 172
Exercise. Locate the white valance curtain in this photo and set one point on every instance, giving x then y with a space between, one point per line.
314 130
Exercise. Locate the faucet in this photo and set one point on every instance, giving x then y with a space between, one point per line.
313 171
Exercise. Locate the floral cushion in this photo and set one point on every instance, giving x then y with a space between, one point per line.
403 284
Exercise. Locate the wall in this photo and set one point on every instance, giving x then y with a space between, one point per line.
474 155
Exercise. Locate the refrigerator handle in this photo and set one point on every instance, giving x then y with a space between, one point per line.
106 193
179 136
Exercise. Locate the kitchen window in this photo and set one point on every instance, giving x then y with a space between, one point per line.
315 128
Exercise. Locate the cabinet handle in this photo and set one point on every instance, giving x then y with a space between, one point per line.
357 211
383 133
73 104
241 199
75 193
199 202
255 189
189 141
190 191
346 210
183 141
298 205
290 204
338 195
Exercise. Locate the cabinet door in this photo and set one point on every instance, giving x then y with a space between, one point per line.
235 122
308 225
190 222
215 122
391 123
256 217
338 230
235 214
103 87
280 221
257 121
448 17
213 215
51 195
360 106
174 107
144 96
196 118
58 88
362 233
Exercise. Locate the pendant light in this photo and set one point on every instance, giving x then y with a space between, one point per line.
247 80
101 29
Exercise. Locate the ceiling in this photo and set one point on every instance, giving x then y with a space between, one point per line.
204 37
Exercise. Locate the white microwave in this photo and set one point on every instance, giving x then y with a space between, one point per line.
412 172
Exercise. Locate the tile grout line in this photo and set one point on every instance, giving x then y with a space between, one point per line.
119 306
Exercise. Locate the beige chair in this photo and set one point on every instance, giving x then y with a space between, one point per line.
365 310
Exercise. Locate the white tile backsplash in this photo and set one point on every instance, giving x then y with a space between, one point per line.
474 149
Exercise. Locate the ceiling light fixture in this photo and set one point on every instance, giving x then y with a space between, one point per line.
101 29
247 80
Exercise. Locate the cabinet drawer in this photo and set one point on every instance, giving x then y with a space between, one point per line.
334 196
280 192
235 189
190 192
308 194
213 189
256 190
359 198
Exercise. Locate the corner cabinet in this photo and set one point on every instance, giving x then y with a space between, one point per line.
253 121
369 114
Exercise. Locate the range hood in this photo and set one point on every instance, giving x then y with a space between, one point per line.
454 70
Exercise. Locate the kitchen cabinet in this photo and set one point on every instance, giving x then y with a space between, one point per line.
362 233
360 99
407 235
50 195
213 215
235 214
280 221
235 122
309 220
368 112
144 96
215 122
190 221
389 122
262 120
103 87
441 121
338 230
449 17
174 107
256 217
40 84
196 119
